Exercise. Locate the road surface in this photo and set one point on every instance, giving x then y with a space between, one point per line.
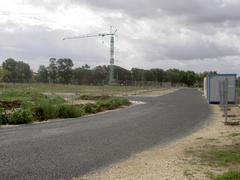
71 148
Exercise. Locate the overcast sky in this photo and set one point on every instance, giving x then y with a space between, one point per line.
199 35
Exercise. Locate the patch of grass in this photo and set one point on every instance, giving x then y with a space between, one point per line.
91 97
232 175
91 108
21 95
24 106
21 116
63 88
69 111
44 110
3 117
226 156
112 103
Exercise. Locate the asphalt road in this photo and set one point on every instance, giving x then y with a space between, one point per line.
71 148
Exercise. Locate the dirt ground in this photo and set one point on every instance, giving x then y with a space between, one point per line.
174 161
157 92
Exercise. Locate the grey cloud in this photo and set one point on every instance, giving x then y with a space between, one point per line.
194 10
184 51
199 50
40 43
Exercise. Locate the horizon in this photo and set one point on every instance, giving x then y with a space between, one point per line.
92 67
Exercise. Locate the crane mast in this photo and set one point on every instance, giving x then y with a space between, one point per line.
112 41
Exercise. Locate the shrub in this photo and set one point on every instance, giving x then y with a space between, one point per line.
69 111
90 108
21 116
44 111
112 103
3 117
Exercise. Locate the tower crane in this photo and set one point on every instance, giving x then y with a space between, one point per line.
112 35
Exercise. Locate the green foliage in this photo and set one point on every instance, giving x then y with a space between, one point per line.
90 108
45 110
18 71
42 74
232 175
69 111
34 106
22 95
61 71
52 70
3 117
90 97
21 116
112 103
3 74
64 70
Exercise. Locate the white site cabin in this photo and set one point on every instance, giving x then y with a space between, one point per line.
211 87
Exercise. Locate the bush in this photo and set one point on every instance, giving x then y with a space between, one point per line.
44 111
3 117
112 103
90 108
21 116
69 111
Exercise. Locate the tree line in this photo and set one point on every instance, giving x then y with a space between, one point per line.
62 71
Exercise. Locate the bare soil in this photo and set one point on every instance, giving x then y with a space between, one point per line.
8 105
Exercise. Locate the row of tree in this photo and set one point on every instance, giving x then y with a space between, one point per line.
62 71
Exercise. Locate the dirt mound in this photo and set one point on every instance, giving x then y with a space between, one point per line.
8 105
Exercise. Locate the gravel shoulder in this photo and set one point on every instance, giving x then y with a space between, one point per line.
172 161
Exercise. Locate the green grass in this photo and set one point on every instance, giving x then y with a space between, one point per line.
232 175
20 99
61 88
226 156
38 107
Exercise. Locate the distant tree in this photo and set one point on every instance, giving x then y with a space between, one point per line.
138 74
42 74
173 75
82 75
64 69
23 71
3 73
191 78
158 74
10 66
52 70
86 66
122 74
18 71
99 74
